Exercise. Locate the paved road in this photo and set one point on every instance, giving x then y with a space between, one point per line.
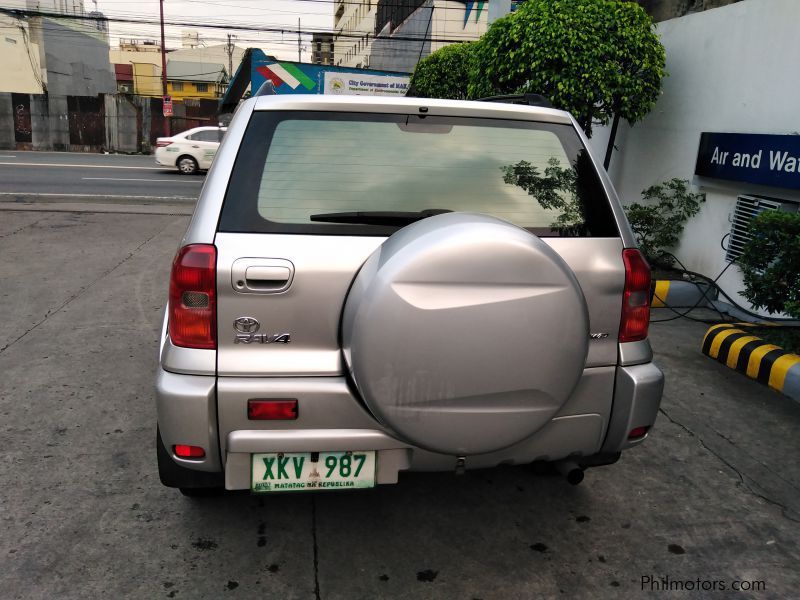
713 495
69 175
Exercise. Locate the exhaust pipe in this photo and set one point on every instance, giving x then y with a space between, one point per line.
570 470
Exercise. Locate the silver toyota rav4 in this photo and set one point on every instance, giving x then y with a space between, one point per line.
375 285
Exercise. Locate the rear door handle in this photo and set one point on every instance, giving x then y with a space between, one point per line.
262 275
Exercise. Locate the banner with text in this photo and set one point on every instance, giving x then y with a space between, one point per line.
771 160
363 84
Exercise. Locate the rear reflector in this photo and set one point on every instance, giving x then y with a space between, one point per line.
636 298
272 410
183 451
637 432
192 297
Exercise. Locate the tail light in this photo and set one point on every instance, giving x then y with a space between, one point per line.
272 410
184 451
193 297
636 297
637 432
162 143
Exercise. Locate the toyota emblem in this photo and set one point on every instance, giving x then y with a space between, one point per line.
246 325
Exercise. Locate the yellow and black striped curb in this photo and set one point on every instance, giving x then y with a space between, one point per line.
734 346
679 294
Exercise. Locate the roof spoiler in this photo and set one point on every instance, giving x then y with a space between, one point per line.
529 99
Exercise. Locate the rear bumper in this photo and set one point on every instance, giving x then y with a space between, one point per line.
187 414
332 420
637 397
165 159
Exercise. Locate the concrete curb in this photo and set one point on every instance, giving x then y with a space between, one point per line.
680 294
735 347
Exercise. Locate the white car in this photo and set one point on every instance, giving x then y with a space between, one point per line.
190 151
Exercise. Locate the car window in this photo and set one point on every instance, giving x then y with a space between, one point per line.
295 165
206 135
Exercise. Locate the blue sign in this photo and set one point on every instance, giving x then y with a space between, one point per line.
291 77
772 160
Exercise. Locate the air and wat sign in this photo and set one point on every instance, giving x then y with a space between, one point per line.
772 160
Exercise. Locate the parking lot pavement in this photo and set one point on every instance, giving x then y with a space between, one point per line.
711 496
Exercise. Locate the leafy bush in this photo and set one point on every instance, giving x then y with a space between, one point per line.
658 223
444 73
770 263
594 58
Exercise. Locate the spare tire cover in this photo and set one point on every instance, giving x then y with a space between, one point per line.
465 334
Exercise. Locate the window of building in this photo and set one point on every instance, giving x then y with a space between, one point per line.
177 86
201 87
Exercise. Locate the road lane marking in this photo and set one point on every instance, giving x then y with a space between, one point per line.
7 156
135 179
86 207
113 196
74 165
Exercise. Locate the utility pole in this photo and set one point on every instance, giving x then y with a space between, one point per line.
299 58
229 50
167 127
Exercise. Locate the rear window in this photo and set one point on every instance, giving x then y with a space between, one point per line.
293 166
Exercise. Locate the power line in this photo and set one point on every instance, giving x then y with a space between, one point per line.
236 27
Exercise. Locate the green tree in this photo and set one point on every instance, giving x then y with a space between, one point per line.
599 59
444 73
770 263
555 189
658 222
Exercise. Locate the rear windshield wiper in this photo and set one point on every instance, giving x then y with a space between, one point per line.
376 217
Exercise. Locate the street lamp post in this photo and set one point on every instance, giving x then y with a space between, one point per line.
167 127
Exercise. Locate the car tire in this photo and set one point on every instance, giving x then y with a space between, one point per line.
187 165
190 482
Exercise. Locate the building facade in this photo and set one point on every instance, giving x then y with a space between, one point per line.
354 23
63 56
405 33
195 80
193 71
20 69
322 49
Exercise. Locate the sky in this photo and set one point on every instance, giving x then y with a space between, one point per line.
313 14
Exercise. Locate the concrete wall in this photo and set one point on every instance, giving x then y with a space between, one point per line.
112 122
6 121
732 69
77 59
122 128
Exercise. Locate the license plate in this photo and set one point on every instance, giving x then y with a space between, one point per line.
297 472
